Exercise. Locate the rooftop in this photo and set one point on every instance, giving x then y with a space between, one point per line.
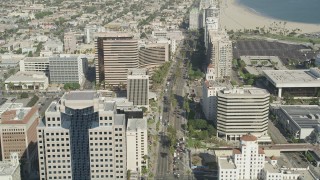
80 95
225 164
27 76
137 71
19 116
134 124
305 116
6 168
36 59
294 78
247 90
248 137
119 119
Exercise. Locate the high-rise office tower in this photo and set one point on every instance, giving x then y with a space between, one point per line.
18 134
82 138
241 111
115 54
138 87
220 54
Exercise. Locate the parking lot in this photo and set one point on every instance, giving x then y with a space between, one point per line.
268 48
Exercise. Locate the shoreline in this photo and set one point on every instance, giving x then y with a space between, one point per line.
235 16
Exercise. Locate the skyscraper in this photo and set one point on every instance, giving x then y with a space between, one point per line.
194 19
241 111
138 87
115 54
82 138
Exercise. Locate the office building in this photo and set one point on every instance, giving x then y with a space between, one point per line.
194 19
82 138
39 64
210 12
10 170
138 87
251 162
70 42
152 56
28 80
115 54
220 54
211 24
68 69
18 134
137 143
241 111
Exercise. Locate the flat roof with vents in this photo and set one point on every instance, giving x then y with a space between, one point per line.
305 116
294 78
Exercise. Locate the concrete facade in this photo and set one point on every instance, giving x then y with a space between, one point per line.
28 80
68 69
38 64
152 56
137 140
219 54
115 54
241 111
82 138
138 87
18 134
194 19
70 42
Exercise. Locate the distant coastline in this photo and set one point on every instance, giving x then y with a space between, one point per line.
235 16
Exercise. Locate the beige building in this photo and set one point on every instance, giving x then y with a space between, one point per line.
27 80
241 111
10 170
137 143
82 138
70 42
152 56
115 54
138 87
18 134
219 54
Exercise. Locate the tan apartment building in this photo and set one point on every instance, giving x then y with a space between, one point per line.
70 42
18 134
115 54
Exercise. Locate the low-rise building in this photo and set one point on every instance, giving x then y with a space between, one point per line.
29 80
39 64
299 120
10 170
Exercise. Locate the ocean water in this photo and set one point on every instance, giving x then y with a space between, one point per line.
305 11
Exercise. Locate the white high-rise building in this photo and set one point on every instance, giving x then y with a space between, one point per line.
210 24
210 88
250 162
241 111
247 162
219 54
10 170
82 137
194 19
137 143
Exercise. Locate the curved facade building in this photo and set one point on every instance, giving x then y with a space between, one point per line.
152 56
115 54
241 111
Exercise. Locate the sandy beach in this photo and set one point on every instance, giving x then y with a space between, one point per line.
234 16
